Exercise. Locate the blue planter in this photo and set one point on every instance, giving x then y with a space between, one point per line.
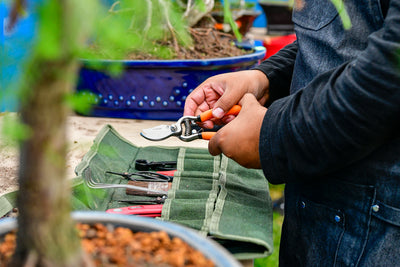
211 249
154 89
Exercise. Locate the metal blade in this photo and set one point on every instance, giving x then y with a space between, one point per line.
157 133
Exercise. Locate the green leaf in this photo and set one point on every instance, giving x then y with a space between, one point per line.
229 19
13 130
115 69
49 30
81 102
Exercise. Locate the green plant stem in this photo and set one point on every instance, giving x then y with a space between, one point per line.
229 19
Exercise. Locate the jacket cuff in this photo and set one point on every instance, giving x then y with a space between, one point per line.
270 146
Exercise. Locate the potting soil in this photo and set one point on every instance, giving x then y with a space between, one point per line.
110 246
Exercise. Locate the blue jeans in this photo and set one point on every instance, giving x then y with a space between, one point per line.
347 219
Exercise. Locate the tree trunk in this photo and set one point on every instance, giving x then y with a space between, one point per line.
46 233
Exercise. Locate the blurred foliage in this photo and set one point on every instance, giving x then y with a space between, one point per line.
95 30
276 192
13 130
129 26
344 16
235 4
81 101
273 259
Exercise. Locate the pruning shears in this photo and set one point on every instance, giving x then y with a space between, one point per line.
185 128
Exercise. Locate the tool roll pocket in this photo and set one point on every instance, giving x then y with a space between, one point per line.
220 198
194 189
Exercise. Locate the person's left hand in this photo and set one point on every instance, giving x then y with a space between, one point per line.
239 139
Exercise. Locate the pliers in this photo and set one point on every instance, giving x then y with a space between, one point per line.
147 176
185 128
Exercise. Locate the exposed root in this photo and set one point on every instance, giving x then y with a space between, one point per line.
208 43
170 27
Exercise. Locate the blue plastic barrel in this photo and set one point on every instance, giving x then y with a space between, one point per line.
15 46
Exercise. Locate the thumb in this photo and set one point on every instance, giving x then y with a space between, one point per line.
248 100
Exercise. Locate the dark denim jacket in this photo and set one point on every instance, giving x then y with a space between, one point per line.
335 141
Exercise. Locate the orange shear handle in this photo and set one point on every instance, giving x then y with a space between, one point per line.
207 115
207 135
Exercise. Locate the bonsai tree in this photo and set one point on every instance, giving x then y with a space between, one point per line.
46 233
162 28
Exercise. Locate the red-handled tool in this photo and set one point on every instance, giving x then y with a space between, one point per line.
185 128
141 210
169 173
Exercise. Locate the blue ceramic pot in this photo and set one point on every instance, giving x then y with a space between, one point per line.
211 249
154 89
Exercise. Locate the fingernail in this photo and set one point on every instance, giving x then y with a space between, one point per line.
218 113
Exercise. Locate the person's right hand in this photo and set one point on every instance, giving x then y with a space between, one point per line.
222 91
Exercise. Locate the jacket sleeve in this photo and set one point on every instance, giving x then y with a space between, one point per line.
341 117
279 69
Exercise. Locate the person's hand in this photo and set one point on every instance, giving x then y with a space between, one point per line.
239 139
222 91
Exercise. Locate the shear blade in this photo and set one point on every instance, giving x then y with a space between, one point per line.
157 133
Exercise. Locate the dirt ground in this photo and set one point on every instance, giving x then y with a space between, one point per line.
8 169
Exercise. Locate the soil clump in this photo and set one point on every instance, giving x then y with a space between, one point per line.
110 246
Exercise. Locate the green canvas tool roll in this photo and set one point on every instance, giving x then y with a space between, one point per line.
213 195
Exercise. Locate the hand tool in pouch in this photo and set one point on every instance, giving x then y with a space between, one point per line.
145 165
152 188
152 185
90 182
149 183
141 210
159 176
185 128
145 201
